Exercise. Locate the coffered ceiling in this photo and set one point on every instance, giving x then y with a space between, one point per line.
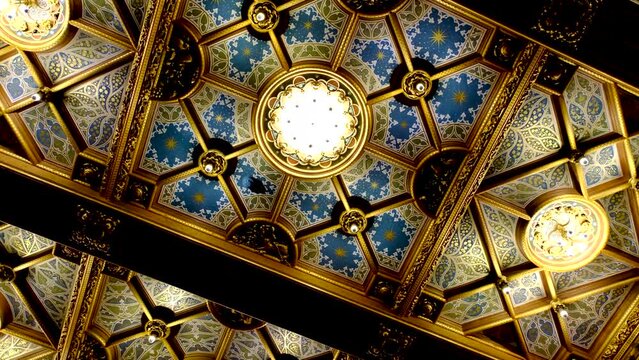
125 108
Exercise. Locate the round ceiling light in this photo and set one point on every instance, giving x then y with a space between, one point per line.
311 123
566 233
34 25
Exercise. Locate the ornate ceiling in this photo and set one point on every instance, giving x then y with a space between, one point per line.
465 128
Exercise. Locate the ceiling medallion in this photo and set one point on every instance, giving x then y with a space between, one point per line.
156 329
565 233
263 15
311 123
416 84
33 25
353 221
212 163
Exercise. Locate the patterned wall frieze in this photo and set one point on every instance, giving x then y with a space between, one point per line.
472 170
144 73
92 229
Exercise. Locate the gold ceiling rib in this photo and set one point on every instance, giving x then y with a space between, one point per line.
471 173
468 191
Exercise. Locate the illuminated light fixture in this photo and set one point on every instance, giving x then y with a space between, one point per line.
33 24
565 233
353 221
416 84
212 163
38 96
560 309
311 123
156 329
263 15
584 161
504 286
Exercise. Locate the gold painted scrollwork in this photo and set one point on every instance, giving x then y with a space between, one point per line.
212 163
93 229
353 221
416 84
566 21
263 15
391 344
6 273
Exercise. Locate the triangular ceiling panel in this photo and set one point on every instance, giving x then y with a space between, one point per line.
588 316
52 282
82 53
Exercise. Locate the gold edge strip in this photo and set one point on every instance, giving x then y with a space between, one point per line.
289 4
347 36
96 30
616 322
485 234
224 343
521 85
168 344
139 292
245 149
37 315
218 34
317 232
31 336
280 50
552 289
391 158
282 196
188 109
33 69
226 86
341 190
369 254
401 41
267 343
498 181
35 261
498 203
387 94
475 344
230 195
430 124
17 125
600 286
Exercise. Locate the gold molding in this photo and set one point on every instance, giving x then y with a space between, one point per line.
472 171
155 34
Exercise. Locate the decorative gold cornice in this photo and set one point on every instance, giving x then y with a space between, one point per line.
145 69
92 230
472 171
625 332
566 21
72 336
391 344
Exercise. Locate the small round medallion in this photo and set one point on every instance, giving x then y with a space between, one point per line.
212 163
263 15
353 222
416 84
